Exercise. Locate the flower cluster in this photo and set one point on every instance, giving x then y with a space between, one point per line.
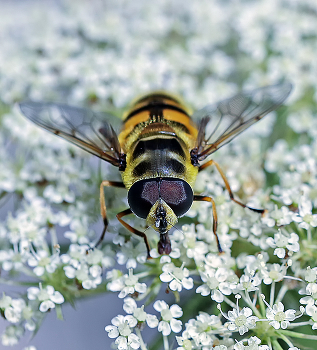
260 293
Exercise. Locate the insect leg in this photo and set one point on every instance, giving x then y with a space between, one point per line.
214 215
133 230
225 180
103 208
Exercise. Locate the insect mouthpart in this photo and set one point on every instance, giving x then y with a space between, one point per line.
160 222
164 244
161 217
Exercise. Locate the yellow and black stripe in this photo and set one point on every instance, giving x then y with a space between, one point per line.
157 136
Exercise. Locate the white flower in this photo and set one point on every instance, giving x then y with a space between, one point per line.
310 290
79 231
185 344
282 241
278 317
177 276
130 307
273 273
130 342
12 335
249 283
89 276
12 308
122 330
311 310
47 297
203 329
217 283
279 217
130 255
42 262
168 315
240 321
304 217
253 344
187 239
127 284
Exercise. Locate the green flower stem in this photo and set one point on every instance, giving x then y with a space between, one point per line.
287 341
139 334
276 345
272 294
309 235
165 341
251 305
281 293
261 303
229 302
299 324
298 335
59 312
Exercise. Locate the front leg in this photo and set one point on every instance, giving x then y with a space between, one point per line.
103 208
133 230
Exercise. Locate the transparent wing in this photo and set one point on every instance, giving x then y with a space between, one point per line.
84 128
230 117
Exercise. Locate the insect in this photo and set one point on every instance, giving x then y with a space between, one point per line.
160 149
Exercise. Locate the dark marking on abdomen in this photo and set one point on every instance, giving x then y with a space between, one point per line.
161 144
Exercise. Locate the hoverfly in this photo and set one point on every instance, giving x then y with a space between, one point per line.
159 150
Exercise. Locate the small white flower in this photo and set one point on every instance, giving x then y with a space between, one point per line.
130 307
253 344
177 276
249 283
279 217
218 282
187 239
48 297
282 241
278 317
127 284
203 329
273 273
12 308
122 330
130 255
240 321
185 344
304 217
311 311
12 335
168 315
42 262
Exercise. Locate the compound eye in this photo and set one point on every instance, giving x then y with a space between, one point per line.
177 194
142 195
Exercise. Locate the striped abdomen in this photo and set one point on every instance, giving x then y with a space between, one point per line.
157 137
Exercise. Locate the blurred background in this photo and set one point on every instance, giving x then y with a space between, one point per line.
102 54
